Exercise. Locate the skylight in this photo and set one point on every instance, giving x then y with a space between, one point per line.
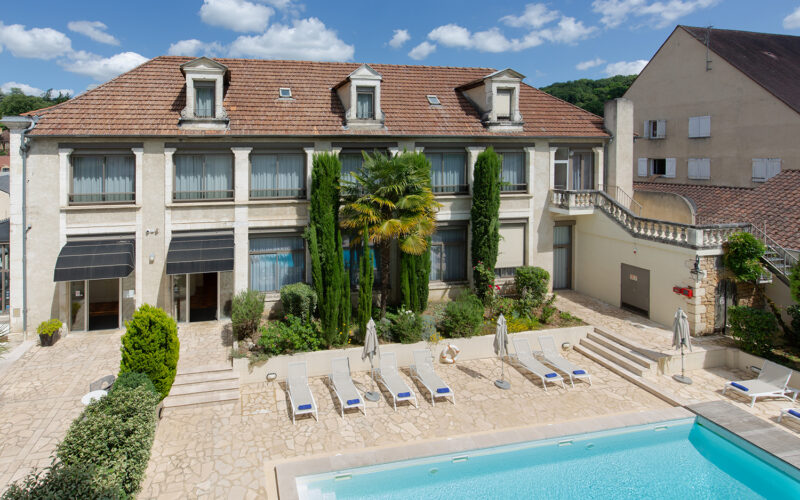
285 93
433 100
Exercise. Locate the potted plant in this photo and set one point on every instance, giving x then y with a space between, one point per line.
49 331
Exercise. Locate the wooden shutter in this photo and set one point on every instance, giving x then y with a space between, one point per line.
670 171
642 169
704 168
693 170
693 126
759 169
661 129
646 129
705 126
773 167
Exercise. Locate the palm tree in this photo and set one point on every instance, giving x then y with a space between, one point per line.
392 197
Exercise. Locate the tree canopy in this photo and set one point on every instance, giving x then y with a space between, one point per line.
16 102
591 95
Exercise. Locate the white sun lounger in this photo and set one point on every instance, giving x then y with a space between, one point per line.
390 378
793 413
300 396
343 386
422 370
525 358
772 381
554 359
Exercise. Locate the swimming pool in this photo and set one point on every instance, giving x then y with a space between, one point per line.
684 459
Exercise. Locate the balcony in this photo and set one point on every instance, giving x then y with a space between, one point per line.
566 202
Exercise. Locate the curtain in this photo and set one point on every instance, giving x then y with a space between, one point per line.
560 266
262 175
352 261
275 262
120 178
351 162
204 101
436 262
290 175
513 175
449 255
364 105
188 177
453 175
219 177
87 179
437 178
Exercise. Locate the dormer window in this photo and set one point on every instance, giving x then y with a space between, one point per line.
205 93
365 103
496 96
503 103
360 95
285 93
204 99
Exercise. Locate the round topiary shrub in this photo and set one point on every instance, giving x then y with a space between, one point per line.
132 380
150 346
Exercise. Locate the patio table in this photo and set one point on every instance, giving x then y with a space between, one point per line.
92 396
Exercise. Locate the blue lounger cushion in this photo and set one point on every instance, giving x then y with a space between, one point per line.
551 375
403 394
795 413
353 401
579 372
304 407
443 390
740 386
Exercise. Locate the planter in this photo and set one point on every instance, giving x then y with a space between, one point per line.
48 340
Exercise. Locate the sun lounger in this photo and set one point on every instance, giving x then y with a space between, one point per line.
525 358
343 386
422 370
390 378
793 413
300 396
554 359
772 381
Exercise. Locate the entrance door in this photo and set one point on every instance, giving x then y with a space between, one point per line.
562 257
635 293
582 171
203 297
103 304
725 299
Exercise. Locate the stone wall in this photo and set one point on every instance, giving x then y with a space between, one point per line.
706 293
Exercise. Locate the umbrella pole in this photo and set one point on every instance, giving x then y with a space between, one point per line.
502 383
372 395
682 378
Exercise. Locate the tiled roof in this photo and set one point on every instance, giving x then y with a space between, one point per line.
5 161
148 100
772 61
774 203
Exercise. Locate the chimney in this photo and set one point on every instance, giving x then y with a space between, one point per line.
619 123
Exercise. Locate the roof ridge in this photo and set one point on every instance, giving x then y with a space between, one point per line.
307 61
685 26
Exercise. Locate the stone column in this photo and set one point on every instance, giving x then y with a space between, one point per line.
63 192
309 168
598 168
472 157
529 173
169 167
540 224
138 154
240 226
16 231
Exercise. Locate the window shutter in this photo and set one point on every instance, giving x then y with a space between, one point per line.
661 129
759 169
705 168
670 168
773 167
646 129
705 126
511 249
642 170
692 127
693 170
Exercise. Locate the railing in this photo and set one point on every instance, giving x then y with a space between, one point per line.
778 260
625 200
206 195
105 198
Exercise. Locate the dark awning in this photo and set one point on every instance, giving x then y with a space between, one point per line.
95 259
200 253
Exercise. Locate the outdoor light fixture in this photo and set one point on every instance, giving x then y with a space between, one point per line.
697 273
152 258
271 376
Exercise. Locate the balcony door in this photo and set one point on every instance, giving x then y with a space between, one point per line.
582 170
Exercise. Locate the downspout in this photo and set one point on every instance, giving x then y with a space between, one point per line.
24 147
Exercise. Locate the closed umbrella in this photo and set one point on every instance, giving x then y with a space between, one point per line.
681 338
501 349
370 351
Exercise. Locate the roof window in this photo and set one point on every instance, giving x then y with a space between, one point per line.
285 93
433 100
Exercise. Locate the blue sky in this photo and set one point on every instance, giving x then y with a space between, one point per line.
76 45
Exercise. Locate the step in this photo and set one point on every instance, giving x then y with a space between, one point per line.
614 357
212 386
194 378
202 398
630 345
207 368
631 354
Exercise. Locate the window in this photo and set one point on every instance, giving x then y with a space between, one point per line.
449 255
655 129
276 261
204 99
765 168
352 259
699 126
351 163
512 175
365 103
277 176
658 166
502 104
561 165
511 249
102 179
285 93
448 172
433 100
203 177
699 168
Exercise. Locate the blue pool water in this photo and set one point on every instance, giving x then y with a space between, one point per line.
684 460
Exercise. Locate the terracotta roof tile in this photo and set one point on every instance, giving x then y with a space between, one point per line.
148 100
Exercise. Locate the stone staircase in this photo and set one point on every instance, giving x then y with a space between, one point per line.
607 348
203 386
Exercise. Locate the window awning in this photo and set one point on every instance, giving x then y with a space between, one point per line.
200 253
95 259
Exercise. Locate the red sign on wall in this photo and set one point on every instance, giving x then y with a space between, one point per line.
683 291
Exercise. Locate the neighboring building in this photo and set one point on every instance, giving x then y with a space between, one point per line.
4 135
718 107
5 161
5 262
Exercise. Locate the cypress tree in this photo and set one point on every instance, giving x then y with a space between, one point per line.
485 215
365 282
423 270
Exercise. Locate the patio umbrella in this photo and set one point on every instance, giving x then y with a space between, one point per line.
501 349
681 338
370 351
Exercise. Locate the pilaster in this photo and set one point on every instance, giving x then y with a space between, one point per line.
472 157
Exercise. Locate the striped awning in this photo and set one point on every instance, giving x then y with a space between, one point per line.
95 259
200 253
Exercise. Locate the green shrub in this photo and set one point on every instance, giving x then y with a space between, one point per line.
246 312
150 346
548 311
132 380
484 216
742 254
291 335
794 283
299 299
532 284
483 283
114 434
754 329
505 306
462 317
522 324
406 327
49 328
65 481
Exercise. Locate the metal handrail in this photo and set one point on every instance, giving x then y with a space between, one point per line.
626 199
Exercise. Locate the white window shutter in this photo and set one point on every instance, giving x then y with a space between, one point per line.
642 169
670 168
759 169
661 129
705 126
704 168
693 170
773 167
693 127
646 129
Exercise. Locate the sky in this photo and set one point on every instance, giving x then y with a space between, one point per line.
74 46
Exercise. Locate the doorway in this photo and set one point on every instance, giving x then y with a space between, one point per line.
562 257
203 297
103 304
725 299
635 292
582 171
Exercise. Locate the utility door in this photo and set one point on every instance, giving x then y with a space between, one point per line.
635 292
725 299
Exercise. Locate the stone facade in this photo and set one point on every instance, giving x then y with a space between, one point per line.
707 294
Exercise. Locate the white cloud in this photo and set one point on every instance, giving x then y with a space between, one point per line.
236 15
567 31
305 39
626 67
35 43
31 90
593 63
451 35
491 40
536 15
94 30
194 47
792 21
658 14
422 51
102 68
400 37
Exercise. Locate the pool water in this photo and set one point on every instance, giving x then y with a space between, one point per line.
674 460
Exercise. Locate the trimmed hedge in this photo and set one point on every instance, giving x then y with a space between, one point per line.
462 317
132 380
753 329
532 284
298 299
150 346
65 481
